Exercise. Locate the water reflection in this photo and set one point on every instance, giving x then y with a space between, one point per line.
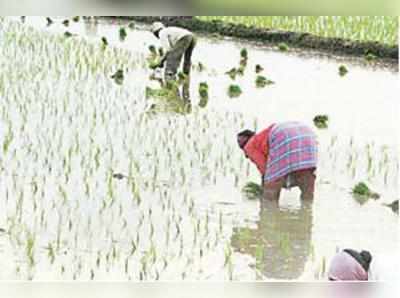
281 244
170 98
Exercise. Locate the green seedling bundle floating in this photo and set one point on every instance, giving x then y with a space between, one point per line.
283 47
232 73
203 90
65 23
259 68
343 70
200 67
262 81
243 61
76 19
122 33
118 77
244 54
321 121
49 21
394 206
234 91
252 191
361 192
68 34
104 42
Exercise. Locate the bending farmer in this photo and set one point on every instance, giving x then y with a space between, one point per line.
350 265
286 156
177 42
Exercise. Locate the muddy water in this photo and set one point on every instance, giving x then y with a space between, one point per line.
183 215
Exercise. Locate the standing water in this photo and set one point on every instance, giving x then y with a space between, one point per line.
66 128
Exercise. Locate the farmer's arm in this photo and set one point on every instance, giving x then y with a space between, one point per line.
256 155
165 42
162 60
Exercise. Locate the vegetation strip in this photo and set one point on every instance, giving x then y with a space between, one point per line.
273 36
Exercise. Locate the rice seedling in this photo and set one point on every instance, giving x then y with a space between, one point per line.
122 34
132 25
30 246
283 47
262 81
252 191
321 121
200 67
232 73
343 70
104 41
118 77
258 68
362 193
68 34
244 54
76 19
65 23
394 206
49 21
234 91
169 93
203 90
83 223
241 69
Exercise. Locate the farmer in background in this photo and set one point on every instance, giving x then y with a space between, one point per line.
177 42
286 156
350 265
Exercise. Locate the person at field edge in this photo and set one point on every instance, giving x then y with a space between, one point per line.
350 265
286 156
176 42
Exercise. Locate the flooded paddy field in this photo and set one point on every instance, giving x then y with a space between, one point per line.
178 213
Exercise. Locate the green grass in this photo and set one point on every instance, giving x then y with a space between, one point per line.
364 28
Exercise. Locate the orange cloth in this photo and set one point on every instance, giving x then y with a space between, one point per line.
256 149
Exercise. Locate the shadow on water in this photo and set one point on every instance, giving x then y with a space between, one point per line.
281 243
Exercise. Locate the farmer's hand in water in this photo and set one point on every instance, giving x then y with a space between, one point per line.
159 65
162 61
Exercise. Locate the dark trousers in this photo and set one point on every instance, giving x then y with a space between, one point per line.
183 48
